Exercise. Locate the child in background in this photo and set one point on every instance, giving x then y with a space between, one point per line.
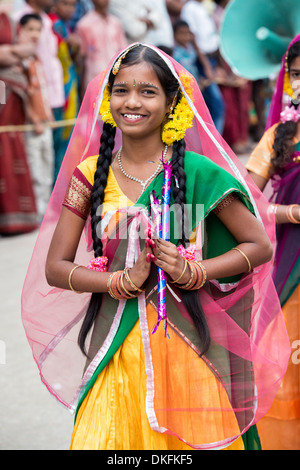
102 37
68 54
187 53
39 142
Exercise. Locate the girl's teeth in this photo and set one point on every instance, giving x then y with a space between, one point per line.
133 116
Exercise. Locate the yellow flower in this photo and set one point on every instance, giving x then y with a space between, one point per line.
105 109
287 88
182 117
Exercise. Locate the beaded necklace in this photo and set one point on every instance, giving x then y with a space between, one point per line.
133 178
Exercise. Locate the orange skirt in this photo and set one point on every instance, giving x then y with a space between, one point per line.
280 427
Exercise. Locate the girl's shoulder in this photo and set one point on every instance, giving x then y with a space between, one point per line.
88 168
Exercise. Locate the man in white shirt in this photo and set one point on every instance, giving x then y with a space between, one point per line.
136 17
202 26
206 37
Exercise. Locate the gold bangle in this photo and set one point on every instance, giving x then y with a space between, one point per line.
246 258
128 294
183 271
204 274
109 286
190 281
289 214
70 279
130 281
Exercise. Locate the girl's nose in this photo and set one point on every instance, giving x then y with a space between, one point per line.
133 99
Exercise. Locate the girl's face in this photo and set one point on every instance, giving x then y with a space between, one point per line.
295 76
138 102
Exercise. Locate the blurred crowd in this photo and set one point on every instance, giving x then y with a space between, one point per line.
51 49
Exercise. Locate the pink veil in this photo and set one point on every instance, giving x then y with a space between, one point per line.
276 103
52 317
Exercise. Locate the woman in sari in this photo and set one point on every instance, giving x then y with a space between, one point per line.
277 159
201 375
17 201
68 49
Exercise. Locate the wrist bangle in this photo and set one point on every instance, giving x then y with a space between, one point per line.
289 214
129 294
182 274
204 275
246 258
189 283
70 279
272 209
134 287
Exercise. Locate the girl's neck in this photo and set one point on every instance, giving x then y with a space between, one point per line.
139 152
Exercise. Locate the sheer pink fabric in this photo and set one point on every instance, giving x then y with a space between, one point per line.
52 317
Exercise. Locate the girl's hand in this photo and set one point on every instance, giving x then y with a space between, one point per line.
166 256
141 269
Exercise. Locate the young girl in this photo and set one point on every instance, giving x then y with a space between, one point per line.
206 373
276 158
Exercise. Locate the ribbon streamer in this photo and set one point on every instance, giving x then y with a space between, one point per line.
161 218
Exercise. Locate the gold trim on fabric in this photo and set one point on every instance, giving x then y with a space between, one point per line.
78 196
215 204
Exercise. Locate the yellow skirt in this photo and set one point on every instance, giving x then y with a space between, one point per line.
113 414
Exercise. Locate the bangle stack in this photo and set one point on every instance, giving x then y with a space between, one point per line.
116 288
289 214
197 278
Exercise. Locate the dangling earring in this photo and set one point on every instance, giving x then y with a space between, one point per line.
171 115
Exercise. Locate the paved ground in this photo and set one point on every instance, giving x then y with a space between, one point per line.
30 418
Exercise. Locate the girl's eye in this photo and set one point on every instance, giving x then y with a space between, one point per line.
119 90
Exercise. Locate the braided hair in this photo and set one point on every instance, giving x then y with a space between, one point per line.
285 132
170 86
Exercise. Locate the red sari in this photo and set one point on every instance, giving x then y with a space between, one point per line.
17 201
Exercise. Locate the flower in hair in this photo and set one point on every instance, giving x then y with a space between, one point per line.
289 114
182 117
287 87
105 112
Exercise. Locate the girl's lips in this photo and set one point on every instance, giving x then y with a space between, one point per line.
133 117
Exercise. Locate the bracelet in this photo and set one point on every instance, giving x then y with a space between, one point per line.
134 287
204 274
181 275
129 294
246 258
289 214
116 288
70 279
112 291
189 283
272 209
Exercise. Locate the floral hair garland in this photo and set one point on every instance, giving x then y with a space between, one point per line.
179 121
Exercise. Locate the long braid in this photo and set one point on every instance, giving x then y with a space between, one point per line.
190 298
180 188
100 181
